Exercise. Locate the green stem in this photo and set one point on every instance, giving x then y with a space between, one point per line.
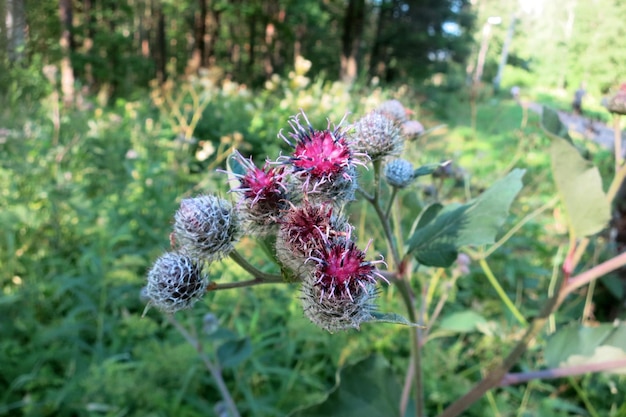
394 191
260 276
416 349
213 368
583 396
501 293
617 138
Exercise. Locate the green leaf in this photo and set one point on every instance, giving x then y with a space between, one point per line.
233 352
580 187
462 322
551 123
475 223
429 214
577 344
368 388
391 318
427 169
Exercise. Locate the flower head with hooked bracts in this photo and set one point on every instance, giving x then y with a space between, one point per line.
321 157
339 292
206 227
175 282
394 110
303 231
376 135
265 191
399 173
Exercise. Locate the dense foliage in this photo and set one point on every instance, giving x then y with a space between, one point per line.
88 188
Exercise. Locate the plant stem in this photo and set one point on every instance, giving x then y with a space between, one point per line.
617 138
249 283
416 355
213 368
394 191
518 378
260 276
594 273
501 293
519 225
494 377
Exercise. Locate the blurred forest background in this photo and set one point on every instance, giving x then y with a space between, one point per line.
113 110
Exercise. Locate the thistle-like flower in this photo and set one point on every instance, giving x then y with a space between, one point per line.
304 230
264 190
376 135
320 158
399 173
206 227
394 110
339 292
175 282
412 129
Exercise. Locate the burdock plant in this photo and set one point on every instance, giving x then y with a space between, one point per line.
296 205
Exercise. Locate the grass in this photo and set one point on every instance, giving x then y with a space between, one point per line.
83 218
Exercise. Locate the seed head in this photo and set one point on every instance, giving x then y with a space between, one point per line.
376 135
399 173
175 282
206 227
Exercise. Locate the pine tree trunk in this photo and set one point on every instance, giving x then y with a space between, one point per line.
160 44
66 43
352 32
15 23
198 56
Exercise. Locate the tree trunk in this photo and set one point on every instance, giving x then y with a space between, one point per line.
198 56
89 11
160 43
352 33
66 43
15 22
3 30
213 35
377 59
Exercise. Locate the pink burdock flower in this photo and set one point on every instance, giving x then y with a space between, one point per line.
175 282
264 191
322 160
303 231
340 291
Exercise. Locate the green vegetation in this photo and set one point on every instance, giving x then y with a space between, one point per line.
90 179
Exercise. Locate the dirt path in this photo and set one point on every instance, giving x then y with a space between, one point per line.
588 128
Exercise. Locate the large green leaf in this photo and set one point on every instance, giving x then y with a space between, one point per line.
436 242
577 345
551 123
580 187
368 388
462 322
